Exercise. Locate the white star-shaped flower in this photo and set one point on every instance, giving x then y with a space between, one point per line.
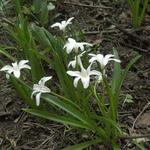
84 75
103 60
40 88
15 68
63 24
76 61
73 45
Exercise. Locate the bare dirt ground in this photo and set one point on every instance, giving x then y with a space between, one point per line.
108 25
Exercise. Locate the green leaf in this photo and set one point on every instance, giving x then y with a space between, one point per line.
124 73
107 121
17 6
116 73
40 36
140 146
37 5
61 119
22 91
68 108
6 54
44 14
83 145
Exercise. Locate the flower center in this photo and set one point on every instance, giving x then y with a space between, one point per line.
84 74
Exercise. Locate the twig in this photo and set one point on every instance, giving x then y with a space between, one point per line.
84 5
133 35
145 107
135 137
91 32
135 47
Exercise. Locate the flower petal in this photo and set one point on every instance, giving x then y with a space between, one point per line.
75 82
85 82
38 99
74 73
7 67
33 94
17 73
44 80
22 62
57 24
7 76
95 72
72 63
69 20
45 89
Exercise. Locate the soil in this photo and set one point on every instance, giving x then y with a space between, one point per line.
107 24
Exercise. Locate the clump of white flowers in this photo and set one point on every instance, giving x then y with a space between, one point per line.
83 74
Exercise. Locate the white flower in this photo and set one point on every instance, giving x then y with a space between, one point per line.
84 75
63 24
40 88
103 60
15 68
77 60
73 45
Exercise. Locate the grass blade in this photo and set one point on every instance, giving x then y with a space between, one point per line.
83 145
61 119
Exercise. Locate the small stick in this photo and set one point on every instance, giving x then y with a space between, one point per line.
135 137
142 39
145 107
84 5
135 47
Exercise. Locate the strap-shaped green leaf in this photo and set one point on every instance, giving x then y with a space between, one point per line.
124 73
83 145
68 108
116 73
61 119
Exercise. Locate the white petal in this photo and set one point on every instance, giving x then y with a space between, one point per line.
71 40
57 24
44 80
38 99
69 20
15 65
45 89
22 62
95 72
99 57
72 63
75 82
33 94
92 59
80 55
7 67
85 82
117 60
109 56
7 76
92 54
69 47
89 68
36 87
88 44
17 73
73 73
25 66
80 45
